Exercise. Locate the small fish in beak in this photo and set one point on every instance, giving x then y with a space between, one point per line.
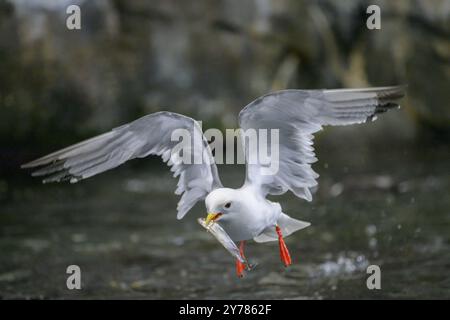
220 234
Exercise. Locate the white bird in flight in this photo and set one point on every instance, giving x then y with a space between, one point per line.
244 213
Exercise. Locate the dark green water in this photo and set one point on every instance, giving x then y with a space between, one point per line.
389 206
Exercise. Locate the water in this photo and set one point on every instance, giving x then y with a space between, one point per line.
388 207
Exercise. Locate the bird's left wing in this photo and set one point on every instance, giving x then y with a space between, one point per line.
297 115
149 135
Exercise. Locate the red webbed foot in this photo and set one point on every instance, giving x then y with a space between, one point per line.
240 266
284 252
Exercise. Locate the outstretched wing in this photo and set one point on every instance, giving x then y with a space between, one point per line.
298 114
149 135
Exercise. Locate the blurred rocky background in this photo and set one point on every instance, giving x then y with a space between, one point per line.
208 59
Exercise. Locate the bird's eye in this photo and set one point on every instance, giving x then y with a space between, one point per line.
227 205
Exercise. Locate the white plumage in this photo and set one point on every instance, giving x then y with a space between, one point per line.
245 213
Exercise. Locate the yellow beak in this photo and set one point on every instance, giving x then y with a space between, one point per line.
211 217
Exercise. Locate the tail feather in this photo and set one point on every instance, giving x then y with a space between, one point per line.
287 225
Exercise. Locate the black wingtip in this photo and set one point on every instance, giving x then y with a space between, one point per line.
388 98
385 107
393 93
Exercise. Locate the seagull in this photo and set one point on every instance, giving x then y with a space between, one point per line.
244 213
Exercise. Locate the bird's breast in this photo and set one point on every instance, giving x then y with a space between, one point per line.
249 224
240 231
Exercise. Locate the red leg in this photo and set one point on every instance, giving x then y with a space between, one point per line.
240 267
284 252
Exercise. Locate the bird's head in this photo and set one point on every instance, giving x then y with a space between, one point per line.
222 204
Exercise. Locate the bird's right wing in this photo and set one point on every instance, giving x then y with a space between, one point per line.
297 115
149 135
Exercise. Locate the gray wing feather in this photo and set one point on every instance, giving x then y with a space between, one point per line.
298 114
149 135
